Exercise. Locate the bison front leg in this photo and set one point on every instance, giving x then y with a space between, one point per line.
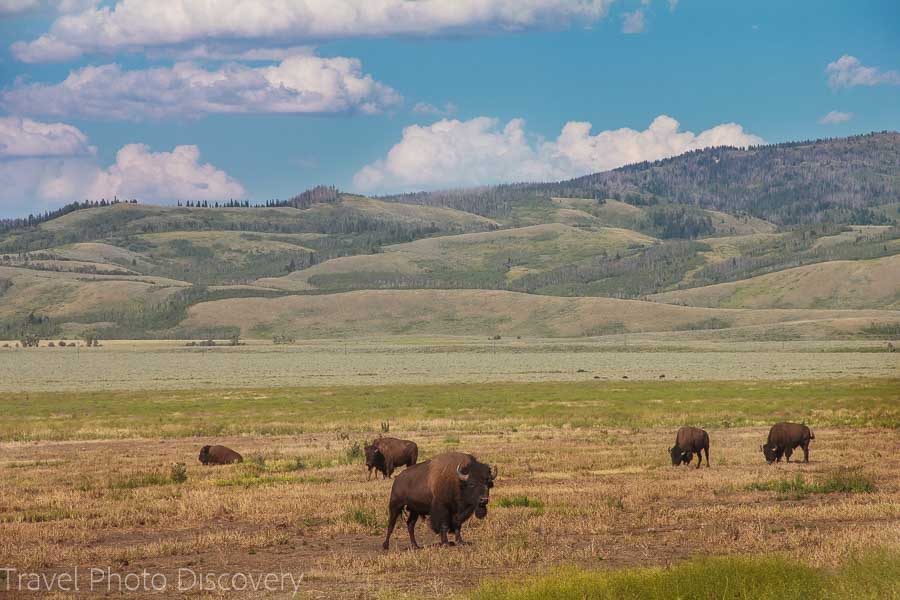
440 520
392 521
788 452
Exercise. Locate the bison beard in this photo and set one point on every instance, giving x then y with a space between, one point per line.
448 489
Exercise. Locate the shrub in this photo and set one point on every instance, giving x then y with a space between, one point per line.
178 472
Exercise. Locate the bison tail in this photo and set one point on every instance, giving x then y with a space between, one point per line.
812 436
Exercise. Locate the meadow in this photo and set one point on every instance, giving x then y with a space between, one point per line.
586 501
699 355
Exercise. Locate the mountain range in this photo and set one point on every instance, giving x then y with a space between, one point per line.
788 240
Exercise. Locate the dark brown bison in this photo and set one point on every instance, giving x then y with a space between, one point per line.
783 438
448 489
219 455
386 454
688 441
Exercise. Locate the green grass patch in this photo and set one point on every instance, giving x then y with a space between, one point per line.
139 480
472 407
36 516
849 482
520 501
364 516
726 578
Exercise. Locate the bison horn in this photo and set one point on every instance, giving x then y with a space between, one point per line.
460 474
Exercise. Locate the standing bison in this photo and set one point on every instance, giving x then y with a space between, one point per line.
386 454
783 438
448 489
688 441
219 455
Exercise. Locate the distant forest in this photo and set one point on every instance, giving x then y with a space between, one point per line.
820 181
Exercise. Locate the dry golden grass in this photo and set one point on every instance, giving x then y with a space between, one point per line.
596 497
834 284
477 312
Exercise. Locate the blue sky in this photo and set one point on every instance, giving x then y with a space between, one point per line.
727 72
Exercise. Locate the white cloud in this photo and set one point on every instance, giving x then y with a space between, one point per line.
139 25
834 117
424 108
673 4
299 84
453 153
848 71
633 22
46 164
24 138
13 7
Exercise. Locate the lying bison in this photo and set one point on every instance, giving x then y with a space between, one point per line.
688 441
386 454
448 489
219 455
783 438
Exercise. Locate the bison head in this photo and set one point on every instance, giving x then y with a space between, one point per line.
475 486
677 455
204 454
770 452
373 456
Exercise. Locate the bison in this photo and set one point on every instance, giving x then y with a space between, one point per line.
688 441
783 438
219 455
386 454
448 489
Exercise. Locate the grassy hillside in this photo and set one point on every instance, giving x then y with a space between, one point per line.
479 312
486 260
835 284
800 226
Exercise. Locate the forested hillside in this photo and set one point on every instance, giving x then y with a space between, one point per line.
801 226
841 180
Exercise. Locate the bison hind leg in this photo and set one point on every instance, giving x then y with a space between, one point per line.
411 528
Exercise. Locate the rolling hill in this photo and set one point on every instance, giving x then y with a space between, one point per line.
754 243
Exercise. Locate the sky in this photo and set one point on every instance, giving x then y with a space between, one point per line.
165 100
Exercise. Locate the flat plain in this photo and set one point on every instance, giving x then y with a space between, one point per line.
585 478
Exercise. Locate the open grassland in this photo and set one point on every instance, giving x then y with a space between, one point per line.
684 355
585 481
35 416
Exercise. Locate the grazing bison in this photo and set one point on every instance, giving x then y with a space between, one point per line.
448 489
386 454
783 438
219 455
688 441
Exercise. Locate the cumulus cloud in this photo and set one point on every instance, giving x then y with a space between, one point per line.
24 138
45 164
139 25
299 84
848 71
633 22
453 153
834 117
